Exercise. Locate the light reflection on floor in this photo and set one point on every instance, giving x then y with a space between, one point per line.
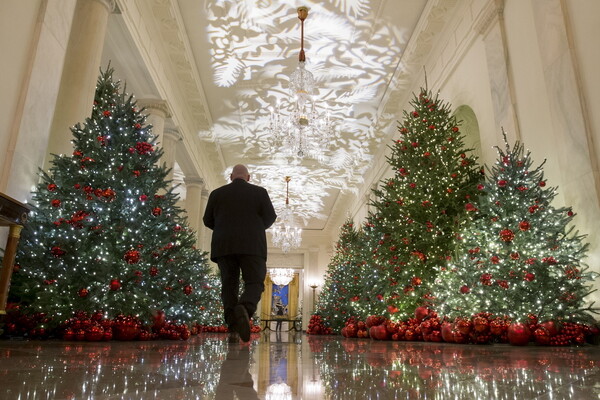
294 366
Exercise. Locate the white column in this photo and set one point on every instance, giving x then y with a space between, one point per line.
80 72
206 236
171 137
493 31
157 112
193 200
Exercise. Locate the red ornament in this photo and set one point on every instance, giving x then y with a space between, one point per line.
416 281
421 312
570 213
107 113
83 292
465 289
187 289
392 309
481 324
502 183
94 333
470 207
480 187
138 126
57 252
378 332
153 271
518 334
51 187
542 183
55 203
132 256
455 129
529 277
143 197
506 235
524 226
115 284
156 211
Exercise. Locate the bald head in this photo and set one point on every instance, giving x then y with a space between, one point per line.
240 172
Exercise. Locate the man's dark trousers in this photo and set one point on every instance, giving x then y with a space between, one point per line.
254 271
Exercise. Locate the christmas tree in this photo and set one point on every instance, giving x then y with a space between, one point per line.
419 209
342 287
106 233
520 256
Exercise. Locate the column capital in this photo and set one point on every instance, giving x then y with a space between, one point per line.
204 193
172 134
493 10
155 107
194 181
110 5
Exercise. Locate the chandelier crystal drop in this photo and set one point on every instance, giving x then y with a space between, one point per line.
281 276
285 233
303 132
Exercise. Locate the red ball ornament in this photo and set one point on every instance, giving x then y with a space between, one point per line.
156 211
518 334
524 226
187 289
83 292
542 183
107 113
115 284
153 271
502 183
94 334
506 235
51 187
529 277
421 312
465 289
550 327
542 337
132 256
55 203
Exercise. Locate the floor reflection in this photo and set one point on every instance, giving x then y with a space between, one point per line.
294 366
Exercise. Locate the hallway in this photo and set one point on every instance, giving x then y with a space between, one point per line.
294 366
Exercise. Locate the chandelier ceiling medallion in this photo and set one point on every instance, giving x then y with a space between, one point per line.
281 276
285 233
304 132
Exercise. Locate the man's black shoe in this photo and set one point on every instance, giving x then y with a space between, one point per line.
242 322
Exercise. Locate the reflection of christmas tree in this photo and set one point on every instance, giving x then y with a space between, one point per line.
419 210
106 233
519 256
342 287
393 370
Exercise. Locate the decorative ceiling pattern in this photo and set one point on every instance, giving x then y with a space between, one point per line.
245 50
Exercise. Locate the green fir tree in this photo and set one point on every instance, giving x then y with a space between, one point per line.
419 210
520 256
106 233
342 288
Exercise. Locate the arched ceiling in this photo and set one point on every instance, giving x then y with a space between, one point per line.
222 65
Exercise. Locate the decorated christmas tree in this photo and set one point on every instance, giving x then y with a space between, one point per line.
417 211
520 256
106 234
342 287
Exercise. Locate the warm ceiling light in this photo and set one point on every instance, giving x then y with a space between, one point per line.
304 132
281 276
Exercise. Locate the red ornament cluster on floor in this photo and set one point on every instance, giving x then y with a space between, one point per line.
481 328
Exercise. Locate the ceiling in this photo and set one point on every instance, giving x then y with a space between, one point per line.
222 65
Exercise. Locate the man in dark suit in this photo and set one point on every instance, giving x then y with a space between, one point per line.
239 213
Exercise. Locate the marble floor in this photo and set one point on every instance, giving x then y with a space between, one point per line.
293 366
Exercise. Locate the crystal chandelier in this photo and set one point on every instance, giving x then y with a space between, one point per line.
285 233
281 276
304 132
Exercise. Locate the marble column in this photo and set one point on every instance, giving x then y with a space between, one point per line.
80 72
206 235
491 27
193 202
171 137
157 112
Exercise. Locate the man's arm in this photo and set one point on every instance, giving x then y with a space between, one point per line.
268 212
209 218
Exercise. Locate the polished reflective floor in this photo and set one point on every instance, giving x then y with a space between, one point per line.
294 366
